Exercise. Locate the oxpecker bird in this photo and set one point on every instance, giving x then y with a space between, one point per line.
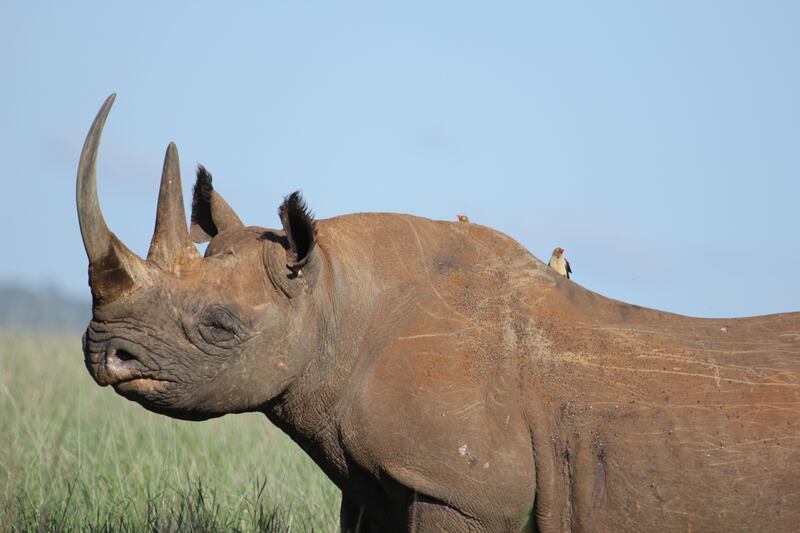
559 263
463 218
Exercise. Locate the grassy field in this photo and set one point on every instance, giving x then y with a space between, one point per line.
74 456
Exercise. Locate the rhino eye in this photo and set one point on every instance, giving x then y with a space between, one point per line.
219 327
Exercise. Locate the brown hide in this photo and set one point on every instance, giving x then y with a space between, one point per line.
673 423
476 361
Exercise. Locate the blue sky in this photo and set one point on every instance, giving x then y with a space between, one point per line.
657 142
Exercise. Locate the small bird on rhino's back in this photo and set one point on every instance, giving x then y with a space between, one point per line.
462 218
559 263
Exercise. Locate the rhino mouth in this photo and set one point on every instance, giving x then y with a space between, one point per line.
139 386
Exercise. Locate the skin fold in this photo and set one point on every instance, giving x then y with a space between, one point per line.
443 377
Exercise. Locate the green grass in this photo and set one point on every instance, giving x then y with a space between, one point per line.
74 456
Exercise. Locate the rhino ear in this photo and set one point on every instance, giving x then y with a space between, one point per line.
300 228
211 214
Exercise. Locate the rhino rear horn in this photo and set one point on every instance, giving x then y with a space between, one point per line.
113 268
211 214
171 248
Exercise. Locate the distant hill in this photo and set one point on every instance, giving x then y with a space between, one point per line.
48 308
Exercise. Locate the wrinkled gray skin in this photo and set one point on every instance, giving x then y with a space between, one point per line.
441 376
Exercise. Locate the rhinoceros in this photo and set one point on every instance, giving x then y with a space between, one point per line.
440 375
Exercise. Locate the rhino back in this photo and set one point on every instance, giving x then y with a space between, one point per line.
672 422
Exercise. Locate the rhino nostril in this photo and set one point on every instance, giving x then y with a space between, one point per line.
122 355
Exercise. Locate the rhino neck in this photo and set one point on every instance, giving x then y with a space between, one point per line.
343 309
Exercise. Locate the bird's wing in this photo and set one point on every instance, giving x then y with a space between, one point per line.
569 270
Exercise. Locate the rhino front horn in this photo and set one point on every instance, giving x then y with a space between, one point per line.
113 269
171 248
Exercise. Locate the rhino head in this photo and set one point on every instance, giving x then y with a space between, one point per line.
196 337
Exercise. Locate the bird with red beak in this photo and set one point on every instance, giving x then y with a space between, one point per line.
462 218
559 263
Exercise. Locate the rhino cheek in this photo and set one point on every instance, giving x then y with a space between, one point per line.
258 378
208 386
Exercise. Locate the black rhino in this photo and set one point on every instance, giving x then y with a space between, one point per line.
442 376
